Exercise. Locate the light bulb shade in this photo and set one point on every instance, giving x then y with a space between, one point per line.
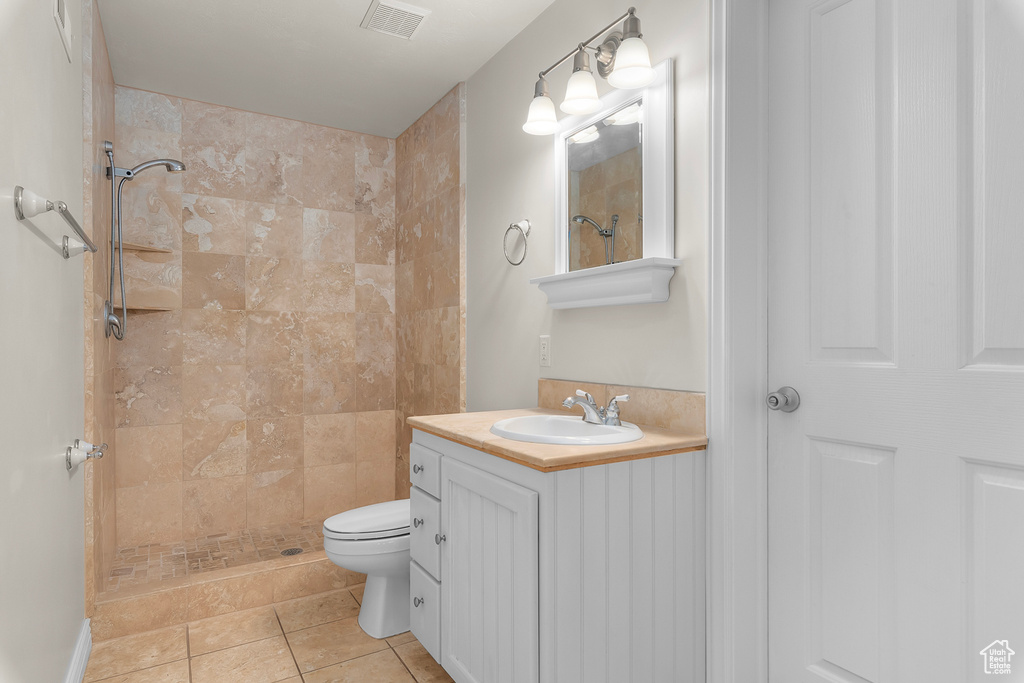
632 65
588 134
541 120
581 94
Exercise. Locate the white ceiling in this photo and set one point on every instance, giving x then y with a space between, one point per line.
307 59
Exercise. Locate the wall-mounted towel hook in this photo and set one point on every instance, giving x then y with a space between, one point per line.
523 227
82 451
28 204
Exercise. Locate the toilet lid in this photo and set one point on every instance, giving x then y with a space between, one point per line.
383 520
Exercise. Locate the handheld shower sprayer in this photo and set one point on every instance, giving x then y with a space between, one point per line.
114 323
606 233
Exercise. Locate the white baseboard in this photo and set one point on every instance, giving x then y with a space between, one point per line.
80 657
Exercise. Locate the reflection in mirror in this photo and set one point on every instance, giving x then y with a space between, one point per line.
605 191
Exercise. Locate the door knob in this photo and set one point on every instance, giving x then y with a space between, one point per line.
785 399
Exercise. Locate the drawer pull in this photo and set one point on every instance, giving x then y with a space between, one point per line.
438 538
417 522
416 469
417 602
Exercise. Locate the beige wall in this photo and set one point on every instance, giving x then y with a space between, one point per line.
510 176
41 369
430 271
266 394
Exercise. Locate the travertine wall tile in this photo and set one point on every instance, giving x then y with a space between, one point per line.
213 281
213 506
149 514
152 455
213 224
213 449
329 439
273 497
212 335
274 444
286 310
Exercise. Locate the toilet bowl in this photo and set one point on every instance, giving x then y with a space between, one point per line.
374 540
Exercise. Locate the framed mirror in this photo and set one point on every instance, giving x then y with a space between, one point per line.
614 191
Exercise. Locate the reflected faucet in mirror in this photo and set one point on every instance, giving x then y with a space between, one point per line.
607 233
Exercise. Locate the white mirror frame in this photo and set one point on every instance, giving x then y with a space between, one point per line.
644 280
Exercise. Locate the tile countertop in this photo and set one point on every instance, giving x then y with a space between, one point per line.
474 430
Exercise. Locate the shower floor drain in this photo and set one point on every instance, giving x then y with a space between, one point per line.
291 551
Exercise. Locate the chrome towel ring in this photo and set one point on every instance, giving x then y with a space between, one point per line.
523 227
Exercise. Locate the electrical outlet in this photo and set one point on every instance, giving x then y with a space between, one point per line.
545 350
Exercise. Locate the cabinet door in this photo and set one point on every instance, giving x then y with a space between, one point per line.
489 601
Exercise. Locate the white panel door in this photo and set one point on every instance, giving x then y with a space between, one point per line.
489 558
896 309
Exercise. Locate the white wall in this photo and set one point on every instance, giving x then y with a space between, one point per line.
41 350
510 176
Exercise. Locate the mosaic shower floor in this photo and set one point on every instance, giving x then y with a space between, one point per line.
149 564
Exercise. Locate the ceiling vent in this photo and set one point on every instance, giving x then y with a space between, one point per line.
394 18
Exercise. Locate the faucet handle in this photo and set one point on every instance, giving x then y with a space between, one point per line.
621 398
580 392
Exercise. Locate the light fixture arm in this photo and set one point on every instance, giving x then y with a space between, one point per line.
629 17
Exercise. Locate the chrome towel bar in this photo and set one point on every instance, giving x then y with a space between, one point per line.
28 204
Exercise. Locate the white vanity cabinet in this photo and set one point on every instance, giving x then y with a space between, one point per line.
592 574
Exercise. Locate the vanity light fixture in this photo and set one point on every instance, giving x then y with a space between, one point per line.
622 59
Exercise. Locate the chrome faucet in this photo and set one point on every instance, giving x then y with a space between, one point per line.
593 413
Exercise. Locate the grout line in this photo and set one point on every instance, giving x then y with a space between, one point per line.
188 652
288 643
411 674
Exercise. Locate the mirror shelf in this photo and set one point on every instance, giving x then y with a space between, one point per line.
641 281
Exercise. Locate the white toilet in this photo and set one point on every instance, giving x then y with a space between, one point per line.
374 540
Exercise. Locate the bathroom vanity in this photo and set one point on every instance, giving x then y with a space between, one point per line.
548 563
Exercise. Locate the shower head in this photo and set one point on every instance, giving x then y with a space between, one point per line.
579 218
173 166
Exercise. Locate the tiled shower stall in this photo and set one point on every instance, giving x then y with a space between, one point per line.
292 297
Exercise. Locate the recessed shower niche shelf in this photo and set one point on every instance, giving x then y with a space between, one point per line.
152 278
129 246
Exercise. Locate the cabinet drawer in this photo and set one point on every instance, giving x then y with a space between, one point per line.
425 469
422 545
425 615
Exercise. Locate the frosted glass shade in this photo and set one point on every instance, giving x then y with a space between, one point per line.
581 94
632 65
541 120
586 135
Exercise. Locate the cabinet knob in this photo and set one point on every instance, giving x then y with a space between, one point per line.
417 522
438 538
417 602
416 469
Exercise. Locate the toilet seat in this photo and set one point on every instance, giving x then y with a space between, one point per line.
383 520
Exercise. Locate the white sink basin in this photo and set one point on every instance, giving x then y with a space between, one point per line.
568 430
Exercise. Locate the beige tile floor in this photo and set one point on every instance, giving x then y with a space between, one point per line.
310 640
